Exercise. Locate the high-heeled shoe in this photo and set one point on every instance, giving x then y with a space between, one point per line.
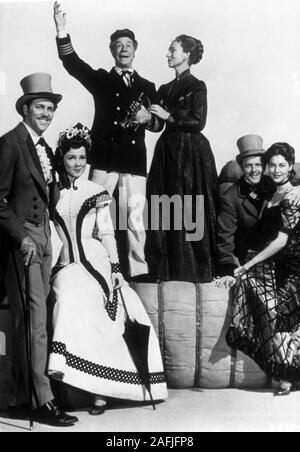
97 410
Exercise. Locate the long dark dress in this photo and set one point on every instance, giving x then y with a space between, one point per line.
184 165
266 319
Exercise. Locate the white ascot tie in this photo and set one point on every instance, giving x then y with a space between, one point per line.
44 160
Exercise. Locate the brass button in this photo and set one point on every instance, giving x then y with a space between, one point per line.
116 123
133 142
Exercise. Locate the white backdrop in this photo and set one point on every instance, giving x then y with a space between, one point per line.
251 63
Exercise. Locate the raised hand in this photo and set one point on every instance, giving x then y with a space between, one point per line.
60 18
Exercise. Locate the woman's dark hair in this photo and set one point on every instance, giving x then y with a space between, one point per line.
74 138
283 149
192 45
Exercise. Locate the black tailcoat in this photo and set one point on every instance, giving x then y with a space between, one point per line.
24 196
24 200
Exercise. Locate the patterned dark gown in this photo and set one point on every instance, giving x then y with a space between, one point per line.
183 165
266 319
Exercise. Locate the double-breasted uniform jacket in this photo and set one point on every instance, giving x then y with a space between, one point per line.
113 148
237 216
24 196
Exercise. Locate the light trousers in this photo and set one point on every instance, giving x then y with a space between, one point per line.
132 200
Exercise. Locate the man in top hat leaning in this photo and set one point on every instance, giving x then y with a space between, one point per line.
28 196
118 154
242 205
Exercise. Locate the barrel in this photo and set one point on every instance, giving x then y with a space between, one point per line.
191 321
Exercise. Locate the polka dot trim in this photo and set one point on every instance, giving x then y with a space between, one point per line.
103 372
112 306
103 199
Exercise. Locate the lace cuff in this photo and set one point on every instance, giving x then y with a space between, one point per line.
116 268
103 200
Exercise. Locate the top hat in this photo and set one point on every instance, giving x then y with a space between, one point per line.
122 34
249 146
36 86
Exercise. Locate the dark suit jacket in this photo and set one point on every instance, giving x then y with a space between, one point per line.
236 218
24 196
113 149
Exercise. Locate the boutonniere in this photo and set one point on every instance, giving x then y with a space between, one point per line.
45 164
253 195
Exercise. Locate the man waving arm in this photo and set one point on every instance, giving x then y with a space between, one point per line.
76 67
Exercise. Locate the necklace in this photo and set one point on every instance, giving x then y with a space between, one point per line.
284 188
284 183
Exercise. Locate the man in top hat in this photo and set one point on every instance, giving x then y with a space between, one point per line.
28 196
119 155
242 205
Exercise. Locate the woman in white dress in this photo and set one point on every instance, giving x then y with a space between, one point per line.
88 350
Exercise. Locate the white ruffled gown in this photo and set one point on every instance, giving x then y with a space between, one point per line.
88 350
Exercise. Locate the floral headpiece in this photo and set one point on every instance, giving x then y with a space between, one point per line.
74 132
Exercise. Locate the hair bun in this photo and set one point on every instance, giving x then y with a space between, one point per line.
198 53
193 46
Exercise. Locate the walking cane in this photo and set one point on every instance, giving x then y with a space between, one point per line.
28 343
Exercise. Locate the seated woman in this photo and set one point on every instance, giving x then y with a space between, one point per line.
88 350
266 319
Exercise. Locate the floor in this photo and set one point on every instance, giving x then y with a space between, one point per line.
190 411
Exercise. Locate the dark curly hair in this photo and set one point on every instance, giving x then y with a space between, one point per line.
283 149
74 138
192 45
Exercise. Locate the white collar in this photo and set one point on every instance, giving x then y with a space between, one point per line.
119 70
35 137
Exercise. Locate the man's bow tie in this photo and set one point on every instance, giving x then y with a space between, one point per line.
41 142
